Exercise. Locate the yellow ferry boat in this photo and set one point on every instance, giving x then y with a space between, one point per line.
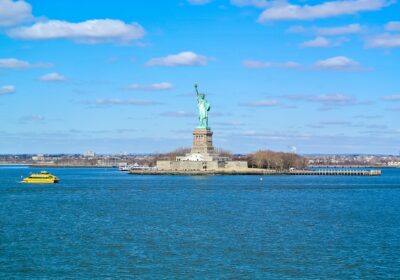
43 177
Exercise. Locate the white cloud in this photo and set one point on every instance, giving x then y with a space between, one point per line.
261 103
135 102
254 3
286 11
339 30
334 99
32 118
266 64
179 114
7 89
199 2
14 12
392 97
13 63
186 58
319 42
393 26
338 63
328 100
327 31
229 124
152 87
90 31
384 41
52 77
368 117
297 29
322 42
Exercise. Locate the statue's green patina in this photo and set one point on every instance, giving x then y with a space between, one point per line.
204 107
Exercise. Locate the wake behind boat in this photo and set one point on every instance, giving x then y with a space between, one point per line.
43 177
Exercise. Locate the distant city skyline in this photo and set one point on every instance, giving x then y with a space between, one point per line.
315 77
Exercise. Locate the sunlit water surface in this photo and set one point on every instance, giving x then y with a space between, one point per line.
101 223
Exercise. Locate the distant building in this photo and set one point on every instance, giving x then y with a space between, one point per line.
38 157
89 154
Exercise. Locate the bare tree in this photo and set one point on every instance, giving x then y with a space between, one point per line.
276 160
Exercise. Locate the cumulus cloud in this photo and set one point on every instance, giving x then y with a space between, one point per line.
186 58
339 63
266 64
152 87
90 31
393 26
32 118
384 41
322 42
334 99
327 100
228 124
178 114
14 12
286 11
134 102
368 117
392 97
327 31
275 136
319 42
339 30
199 2
261 103
335 123
348 124
52 77
254 3
13 63
8 89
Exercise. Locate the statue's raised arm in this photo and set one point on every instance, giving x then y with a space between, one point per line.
195 87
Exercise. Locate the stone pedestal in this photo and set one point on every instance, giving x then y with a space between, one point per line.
202 157
202 141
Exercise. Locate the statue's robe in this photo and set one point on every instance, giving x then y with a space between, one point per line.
204 107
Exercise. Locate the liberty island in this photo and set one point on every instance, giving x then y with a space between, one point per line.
202 157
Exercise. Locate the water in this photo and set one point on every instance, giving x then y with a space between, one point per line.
104 224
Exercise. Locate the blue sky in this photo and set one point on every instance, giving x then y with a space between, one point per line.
117 76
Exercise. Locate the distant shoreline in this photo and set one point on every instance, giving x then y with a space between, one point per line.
56 166
103 166
250 171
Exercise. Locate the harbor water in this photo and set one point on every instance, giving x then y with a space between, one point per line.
105 224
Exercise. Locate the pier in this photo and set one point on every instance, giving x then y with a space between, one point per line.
333 172
256 171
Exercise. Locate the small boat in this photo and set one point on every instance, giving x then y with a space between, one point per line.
43 177
129 167
125 168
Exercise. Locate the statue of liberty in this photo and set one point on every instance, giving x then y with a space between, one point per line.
204 107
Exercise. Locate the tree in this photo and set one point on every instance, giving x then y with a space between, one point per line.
276 160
